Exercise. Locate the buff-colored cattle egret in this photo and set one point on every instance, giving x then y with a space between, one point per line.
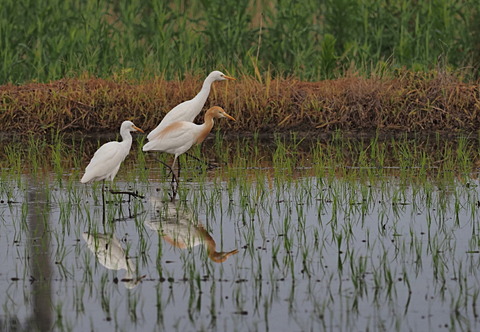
188 110
179 137
107 159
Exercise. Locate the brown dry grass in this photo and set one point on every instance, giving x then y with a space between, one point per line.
408 102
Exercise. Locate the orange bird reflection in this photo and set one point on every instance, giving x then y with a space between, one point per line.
177 227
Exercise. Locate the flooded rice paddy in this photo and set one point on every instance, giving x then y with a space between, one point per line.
334 234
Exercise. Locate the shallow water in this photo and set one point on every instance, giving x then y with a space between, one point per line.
314 252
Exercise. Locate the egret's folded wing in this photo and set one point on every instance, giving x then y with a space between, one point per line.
176 135
104 161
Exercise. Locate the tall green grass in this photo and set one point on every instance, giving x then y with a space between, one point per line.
48 40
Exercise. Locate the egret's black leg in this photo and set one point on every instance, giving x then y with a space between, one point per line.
209 166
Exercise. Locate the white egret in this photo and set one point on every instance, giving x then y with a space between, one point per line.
179 137
107 159
188 110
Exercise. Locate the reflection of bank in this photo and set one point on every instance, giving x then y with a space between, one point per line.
109 252
177 226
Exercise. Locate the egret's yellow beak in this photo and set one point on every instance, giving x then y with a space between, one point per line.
136 128
229 116
229 78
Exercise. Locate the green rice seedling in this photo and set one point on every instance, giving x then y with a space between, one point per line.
464 156
59 321
132 300
77 162
140 161
283 164
57 156
34 149
14 158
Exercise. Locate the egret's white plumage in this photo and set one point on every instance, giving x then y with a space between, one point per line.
107 159
178 137
188 110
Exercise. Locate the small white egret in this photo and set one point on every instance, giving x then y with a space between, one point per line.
107 159
188 110
179 137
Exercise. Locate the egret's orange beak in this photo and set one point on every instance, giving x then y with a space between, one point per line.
229 116
136 128
229 78
220 257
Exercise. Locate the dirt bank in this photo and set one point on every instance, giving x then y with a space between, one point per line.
408 102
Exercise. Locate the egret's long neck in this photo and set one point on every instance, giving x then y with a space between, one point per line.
205 91
126 138
207 127
208 241
213 254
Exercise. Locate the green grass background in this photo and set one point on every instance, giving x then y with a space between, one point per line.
43 40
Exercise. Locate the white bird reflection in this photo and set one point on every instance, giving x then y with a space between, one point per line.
109 252
177 226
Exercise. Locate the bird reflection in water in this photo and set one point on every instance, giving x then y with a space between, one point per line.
109 252
177 226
